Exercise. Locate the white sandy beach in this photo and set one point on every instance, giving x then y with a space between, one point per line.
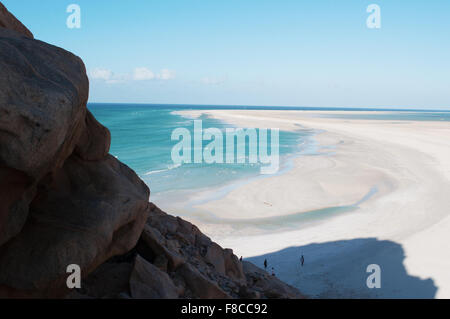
403 226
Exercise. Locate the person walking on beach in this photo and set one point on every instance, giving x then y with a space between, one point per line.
302 260
273 272
265 264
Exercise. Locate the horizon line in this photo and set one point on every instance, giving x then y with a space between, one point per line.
283 107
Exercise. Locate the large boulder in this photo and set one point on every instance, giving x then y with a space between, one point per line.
149 282
83 214
15 195
43 95
63 199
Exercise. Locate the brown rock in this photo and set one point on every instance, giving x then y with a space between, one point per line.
86 213
43 97
13 208
157 244
8 21
44 90
199 285
94 141
233 266
267 285
202 266
215 256
110 280
148 282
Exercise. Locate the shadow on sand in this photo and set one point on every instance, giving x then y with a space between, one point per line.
338 270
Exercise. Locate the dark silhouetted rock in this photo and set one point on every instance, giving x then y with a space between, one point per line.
8 21
148 282
177 261
267 285
84 214
199 285
43 95
64 200
94 141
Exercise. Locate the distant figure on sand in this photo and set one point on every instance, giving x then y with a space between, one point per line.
273 272
302 260
265 264
240 259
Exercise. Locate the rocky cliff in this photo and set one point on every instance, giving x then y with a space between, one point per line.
64 200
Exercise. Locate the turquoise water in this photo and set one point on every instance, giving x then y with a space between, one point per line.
141 138
395 116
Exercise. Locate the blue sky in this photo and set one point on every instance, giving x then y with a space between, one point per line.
255 52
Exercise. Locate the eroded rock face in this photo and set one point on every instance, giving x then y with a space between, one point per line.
15 196
149 282
187 264
63 199
83 214
269 285
43 95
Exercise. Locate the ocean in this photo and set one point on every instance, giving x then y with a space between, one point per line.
141 138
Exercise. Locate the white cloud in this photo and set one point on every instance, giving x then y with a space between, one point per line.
138 74
166 74
101 74
143 74
106 75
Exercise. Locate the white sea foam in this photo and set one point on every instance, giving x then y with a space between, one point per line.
169 167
